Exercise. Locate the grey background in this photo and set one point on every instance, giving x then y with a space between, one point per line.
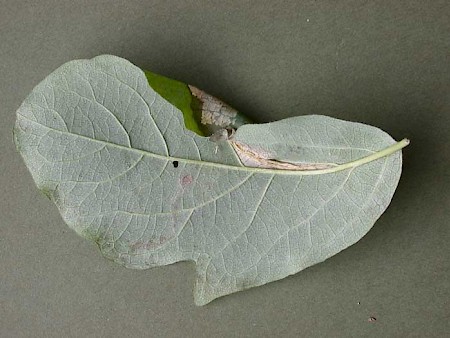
384 63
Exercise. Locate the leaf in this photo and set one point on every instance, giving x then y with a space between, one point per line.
116 159
203 113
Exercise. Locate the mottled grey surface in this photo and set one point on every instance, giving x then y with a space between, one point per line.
383 63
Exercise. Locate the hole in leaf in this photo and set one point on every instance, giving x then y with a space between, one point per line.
175 164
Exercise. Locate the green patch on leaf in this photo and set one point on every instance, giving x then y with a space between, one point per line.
178 94
47 192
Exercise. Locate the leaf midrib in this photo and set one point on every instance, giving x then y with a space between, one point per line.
200 162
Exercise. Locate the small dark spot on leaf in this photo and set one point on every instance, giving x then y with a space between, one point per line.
175 164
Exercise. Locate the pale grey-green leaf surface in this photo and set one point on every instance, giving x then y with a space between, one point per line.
123 170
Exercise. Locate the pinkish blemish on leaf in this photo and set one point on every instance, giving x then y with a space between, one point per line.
186 180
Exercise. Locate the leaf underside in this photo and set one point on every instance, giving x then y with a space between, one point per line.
117 160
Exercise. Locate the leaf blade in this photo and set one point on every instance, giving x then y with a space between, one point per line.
101 143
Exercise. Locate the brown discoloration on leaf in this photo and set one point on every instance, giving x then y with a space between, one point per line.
259 158
186 180
152 244
214 111
223 134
